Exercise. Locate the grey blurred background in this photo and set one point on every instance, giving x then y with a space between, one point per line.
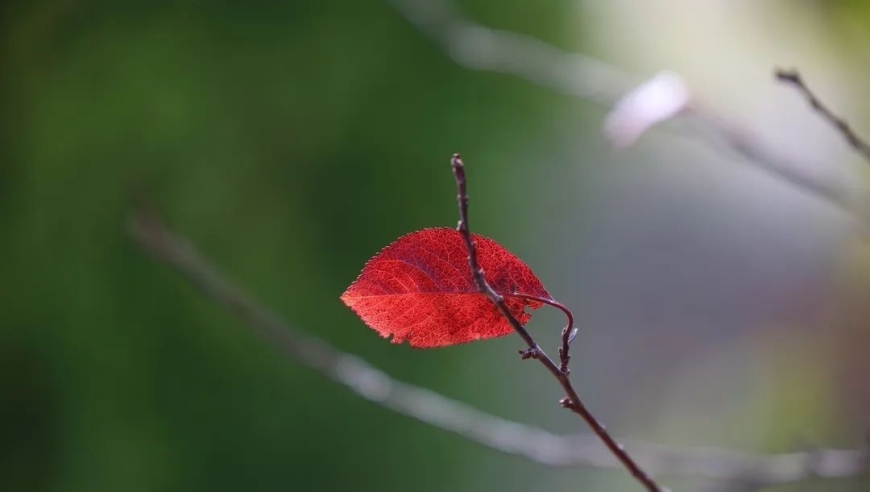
290 141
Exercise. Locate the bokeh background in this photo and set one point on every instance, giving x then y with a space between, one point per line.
290 141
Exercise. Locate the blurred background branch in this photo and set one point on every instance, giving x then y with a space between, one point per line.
478 47
463 420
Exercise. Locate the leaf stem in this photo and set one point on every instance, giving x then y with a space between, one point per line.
572 401
564 356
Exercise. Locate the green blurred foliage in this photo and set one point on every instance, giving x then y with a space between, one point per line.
289 141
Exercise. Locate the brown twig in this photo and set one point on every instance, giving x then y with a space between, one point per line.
794 78
443 413
533 351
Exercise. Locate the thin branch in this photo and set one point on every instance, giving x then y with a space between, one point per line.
572 401
443 413
794 78
481 48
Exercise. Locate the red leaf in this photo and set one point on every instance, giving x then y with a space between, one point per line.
420 289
